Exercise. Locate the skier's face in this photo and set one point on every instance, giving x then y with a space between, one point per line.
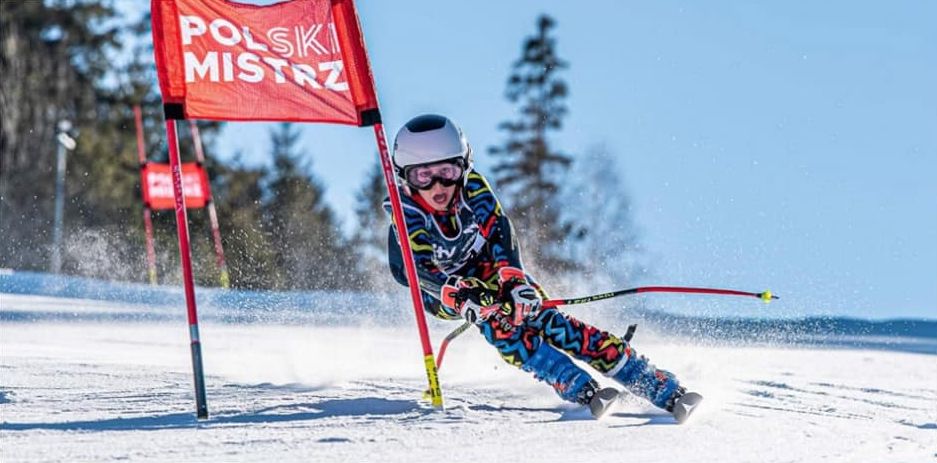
439 196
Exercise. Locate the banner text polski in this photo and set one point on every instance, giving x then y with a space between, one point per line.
283 45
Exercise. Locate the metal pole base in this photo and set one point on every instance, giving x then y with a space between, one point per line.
201 403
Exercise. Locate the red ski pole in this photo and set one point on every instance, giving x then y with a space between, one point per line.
765 296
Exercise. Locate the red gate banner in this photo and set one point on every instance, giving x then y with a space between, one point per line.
157 186
299 61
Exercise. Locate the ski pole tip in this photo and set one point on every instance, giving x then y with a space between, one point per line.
767 296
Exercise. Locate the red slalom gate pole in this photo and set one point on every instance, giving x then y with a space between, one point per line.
147 214
212 215
182 226
150 248
403 237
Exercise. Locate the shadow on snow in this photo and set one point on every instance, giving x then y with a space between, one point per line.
652 419
365 406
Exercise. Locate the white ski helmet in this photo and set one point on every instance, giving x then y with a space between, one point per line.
429 138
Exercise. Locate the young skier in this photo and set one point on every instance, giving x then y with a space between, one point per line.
469 267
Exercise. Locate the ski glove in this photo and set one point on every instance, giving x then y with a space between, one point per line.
522 295
470 297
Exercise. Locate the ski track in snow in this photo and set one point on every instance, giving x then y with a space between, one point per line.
113 391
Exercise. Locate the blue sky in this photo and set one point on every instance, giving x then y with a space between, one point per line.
781 145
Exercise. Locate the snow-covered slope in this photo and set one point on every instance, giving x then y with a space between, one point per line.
117 390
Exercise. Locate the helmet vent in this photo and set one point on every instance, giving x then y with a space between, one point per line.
426 123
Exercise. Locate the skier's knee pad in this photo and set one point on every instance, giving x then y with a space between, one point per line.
552 367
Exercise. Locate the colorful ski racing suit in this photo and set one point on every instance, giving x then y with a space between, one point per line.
474 239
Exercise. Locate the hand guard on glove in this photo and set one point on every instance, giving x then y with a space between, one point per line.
470 297
523 296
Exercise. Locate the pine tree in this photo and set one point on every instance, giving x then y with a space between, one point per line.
238 194
56 62
54 57
308 246
529 166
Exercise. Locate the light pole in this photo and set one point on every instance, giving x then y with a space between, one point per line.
65 142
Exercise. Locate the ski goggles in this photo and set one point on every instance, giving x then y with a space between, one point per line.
423 177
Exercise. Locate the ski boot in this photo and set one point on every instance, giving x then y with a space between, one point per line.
569 381
682 404
643 379
599 400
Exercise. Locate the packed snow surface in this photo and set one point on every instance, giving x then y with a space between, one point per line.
84 389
